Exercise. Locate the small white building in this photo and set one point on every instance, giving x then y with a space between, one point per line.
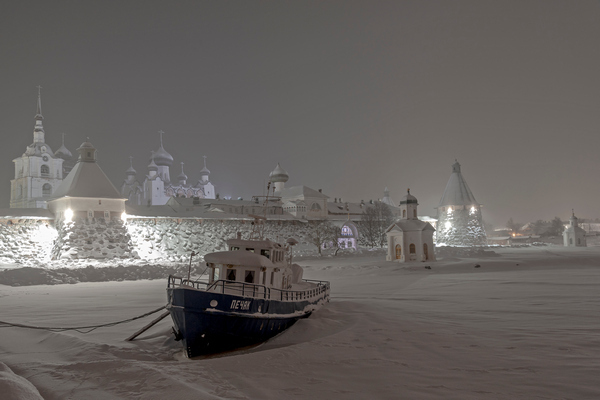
573 235
410 239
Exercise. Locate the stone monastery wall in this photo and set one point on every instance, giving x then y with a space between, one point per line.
148 239
26 240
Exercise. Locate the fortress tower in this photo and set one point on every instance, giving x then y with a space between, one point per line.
459 214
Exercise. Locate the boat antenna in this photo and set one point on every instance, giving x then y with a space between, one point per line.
190 267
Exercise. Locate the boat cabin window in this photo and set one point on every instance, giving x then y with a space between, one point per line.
272 277
231 275
249 278
234 248
250 249
264 276
215 274
264 252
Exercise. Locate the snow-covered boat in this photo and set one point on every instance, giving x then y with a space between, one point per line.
253 293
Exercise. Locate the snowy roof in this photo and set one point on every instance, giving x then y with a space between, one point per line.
406 225
239 257
340 208
87 179
457 192
296 191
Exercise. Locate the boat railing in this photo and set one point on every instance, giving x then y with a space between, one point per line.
253 290
175 280
239 288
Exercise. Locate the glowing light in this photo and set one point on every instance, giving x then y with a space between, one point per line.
473 210
68 215
448 225
124 216
449 210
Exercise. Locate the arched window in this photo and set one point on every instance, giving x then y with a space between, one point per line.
45 170
46 189
346 231
412 248
425 251
403 213
415 213
398 251
315 207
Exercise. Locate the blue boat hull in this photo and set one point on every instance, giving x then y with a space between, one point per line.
210 322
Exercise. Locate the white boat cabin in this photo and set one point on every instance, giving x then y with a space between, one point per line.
258 262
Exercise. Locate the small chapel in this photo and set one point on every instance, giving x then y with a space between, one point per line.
410 239
574 235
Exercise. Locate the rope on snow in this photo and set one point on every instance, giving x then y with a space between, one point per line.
80 329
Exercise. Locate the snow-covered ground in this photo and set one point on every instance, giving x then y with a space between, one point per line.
523 325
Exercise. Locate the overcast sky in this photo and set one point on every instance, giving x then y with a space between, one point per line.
348 96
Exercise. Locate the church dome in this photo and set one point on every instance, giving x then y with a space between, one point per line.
152 166
63 153
182 176
162 157
279 175
131 171
408 199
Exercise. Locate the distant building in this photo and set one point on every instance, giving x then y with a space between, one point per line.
410 239
38 172
157 187
573 235
300 201
387 198
459 215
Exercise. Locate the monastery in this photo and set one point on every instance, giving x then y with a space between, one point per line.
155 215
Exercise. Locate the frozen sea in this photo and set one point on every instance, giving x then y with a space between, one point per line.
523 325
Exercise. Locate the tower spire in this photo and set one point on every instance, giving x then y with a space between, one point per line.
38 131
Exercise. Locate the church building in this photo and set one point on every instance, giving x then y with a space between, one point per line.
574 235
38 172
157 187
410 239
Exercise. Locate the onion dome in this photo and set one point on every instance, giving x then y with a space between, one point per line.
204 171
152 166
278 175
182 176
130 170
62 151
161 156
408 199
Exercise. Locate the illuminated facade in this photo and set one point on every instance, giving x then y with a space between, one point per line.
459 215
574 235
38 172
410 239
